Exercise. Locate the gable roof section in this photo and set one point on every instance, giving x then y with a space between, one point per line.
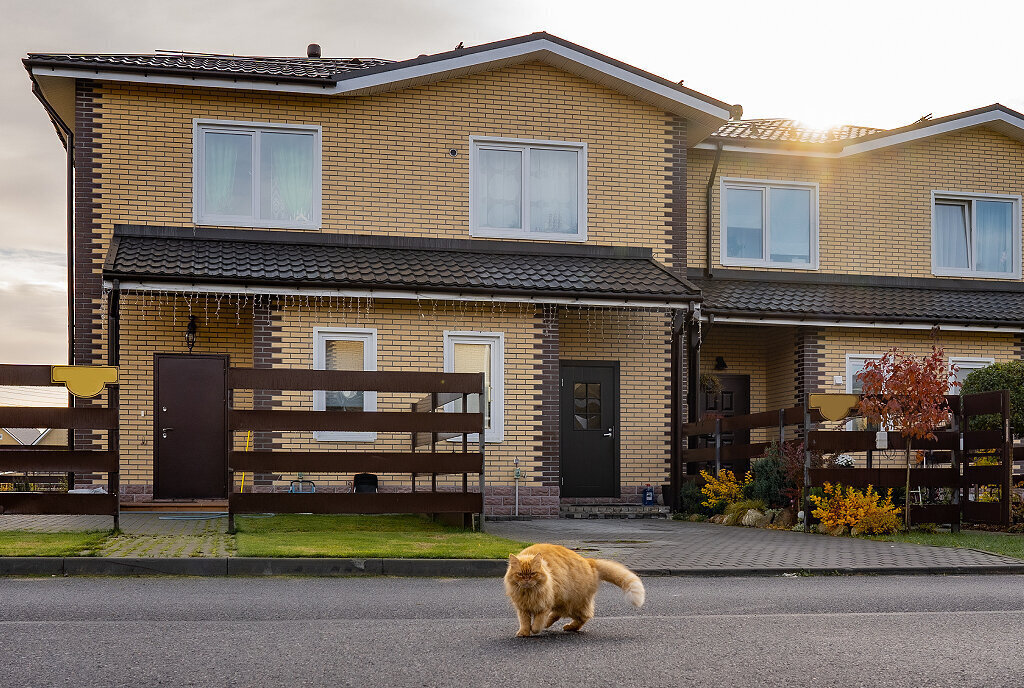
355 76
300 261
863 299
778 136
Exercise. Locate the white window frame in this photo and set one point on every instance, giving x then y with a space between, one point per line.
852 371
495 433
969 198
368 336
524 146
199 215
764 185
973 362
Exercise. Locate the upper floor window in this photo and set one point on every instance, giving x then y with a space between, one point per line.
528 189
976 235
769 224
247 174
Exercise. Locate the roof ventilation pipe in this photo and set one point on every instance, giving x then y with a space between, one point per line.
313 50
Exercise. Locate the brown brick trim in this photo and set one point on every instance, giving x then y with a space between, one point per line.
87 249
266 345
1018 346
547 397
675 192
808 363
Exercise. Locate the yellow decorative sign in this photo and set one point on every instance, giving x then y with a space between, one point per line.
834 406
84 381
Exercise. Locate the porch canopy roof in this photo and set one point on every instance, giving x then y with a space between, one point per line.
859 300
227 260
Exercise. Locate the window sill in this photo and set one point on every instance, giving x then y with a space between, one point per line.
254 224
1006 276
807 267
527 236
345 436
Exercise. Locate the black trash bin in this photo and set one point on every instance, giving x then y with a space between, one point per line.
364 482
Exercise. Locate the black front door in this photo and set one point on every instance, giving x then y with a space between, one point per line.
189 426
589 429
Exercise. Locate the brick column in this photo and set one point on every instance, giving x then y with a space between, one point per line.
675 193
808 362
266 343
547 401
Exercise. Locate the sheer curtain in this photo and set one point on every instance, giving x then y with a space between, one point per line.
500 192
951 235
554 191
286 176
745 223
790 225
227 174
344 354
993 240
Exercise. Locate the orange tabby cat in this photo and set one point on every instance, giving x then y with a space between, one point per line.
547 582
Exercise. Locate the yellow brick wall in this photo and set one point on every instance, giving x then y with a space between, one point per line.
874 208
386 168
152 324
411 337
639 341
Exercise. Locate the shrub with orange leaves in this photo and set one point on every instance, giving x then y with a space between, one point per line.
723 489
864 512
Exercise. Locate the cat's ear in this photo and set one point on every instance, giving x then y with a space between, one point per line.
513 561
538 559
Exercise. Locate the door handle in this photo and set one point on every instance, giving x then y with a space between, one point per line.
610 433
164 431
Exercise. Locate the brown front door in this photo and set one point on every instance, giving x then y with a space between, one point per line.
190 428
589 429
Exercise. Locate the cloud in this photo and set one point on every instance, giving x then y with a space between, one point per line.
34 322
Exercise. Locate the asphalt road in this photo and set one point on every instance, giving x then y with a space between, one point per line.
823 631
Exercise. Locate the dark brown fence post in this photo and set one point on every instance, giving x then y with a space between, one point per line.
957 426
805 497
718 446
1006 488
782 428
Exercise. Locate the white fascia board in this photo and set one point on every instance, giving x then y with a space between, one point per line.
524 50
725 319
174 287
166 79
354 85
977 120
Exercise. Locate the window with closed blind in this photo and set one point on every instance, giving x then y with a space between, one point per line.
480 352
345 349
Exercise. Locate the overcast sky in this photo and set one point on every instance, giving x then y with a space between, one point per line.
870 63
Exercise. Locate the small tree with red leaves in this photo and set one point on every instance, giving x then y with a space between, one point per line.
907 394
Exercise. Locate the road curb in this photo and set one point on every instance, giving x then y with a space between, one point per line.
431 568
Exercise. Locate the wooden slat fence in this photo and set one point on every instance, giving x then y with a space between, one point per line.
63 462
959 444
426 418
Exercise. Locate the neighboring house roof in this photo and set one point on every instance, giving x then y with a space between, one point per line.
864 299
294 260
789 130
789 137
356 76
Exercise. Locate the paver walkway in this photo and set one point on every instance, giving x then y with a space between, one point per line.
653 545
144 534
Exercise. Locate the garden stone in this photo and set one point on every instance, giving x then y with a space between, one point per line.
785 519
717 518
835 531
695 518
752 517
764 521
730 519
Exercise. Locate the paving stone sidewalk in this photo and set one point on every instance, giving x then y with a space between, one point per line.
680 546
144 534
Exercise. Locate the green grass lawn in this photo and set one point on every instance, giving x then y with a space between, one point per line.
998 543
301 535
19 543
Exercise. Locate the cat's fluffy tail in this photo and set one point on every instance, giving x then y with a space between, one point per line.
616 573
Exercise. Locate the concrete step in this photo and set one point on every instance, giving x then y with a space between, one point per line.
613 511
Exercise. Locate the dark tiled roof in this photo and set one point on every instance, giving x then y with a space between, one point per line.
324 68
343 261
789 130
858 301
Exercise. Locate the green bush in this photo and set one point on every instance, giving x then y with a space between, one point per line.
691 500
741 508
998 376
770 483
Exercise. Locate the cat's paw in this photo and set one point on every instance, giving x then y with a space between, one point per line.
524 633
